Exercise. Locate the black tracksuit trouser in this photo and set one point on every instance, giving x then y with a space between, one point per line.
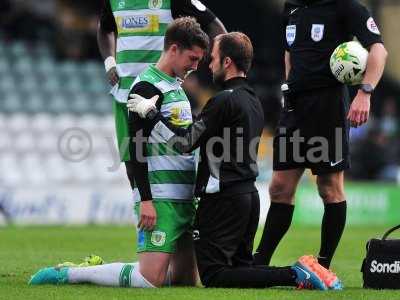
224 232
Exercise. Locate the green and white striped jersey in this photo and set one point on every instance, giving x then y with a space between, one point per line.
171 175
141 26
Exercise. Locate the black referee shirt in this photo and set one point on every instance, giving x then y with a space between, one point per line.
228 132
314 28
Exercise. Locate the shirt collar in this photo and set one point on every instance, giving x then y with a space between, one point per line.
164 76
234 82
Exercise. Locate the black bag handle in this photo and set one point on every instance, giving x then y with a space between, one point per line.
390 231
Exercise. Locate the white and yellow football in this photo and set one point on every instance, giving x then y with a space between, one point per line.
348 62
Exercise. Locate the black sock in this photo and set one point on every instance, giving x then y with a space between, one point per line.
332 227
276 225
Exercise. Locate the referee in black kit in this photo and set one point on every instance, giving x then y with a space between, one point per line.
316 111
228 132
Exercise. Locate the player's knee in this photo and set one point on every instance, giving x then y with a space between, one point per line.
156 279
156 275
330 191
281 191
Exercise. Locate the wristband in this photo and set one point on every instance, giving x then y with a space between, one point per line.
110 63
366 88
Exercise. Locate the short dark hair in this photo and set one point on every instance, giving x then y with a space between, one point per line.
186 33
237 46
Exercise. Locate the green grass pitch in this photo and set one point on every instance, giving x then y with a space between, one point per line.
23 250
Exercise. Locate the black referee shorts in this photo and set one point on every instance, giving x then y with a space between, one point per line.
224 233
313 131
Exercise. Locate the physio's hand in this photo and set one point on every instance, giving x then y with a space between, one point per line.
359 109
112 76
141 105
148 216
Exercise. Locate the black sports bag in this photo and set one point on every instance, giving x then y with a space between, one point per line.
381 267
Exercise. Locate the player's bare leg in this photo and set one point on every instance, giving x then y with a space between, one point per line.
283 185
154 266
281 190
331 187
331 190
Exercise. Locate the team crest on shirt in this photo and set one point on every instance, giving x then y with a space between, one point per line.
155 4
158 238
317 32
290 34
121 4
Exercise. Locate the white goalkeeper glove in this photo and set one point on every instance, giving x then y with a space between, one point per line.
140 105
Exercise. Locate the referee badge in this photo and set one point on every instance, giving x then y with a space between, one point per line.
290 34
317 32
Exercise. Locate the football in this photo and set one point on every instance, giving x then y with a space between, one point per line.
348 62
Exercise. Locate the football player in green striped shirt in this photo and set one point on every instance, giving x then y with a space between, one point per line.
163 179
131 36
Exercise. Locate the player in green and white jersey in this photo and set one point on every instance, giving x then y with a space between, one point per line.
163 179
131 36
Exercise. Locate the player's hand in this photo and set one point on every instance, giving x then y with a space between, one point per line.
359 109
148 216
112 76
141 105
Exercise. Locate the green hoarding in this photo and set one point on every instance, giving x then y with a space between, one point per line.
367 204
